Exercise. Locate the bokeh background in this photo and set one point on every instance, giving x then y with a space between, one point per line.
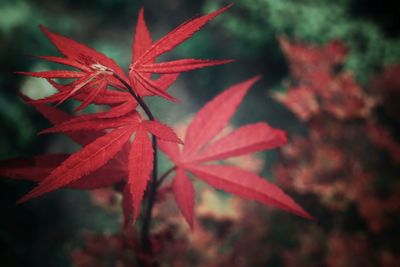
343 169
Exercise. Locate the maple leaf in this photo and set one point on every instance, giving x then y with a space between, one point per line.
97 71
41 166
85 161
145 52
97 153
140 165
200 148
108 97
103 154
117 142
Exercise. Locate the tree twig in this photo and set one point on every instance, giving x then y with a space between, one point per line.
145 230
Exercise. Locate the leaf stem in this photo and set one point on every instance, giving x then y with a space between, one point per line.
145 230
165 175
140 101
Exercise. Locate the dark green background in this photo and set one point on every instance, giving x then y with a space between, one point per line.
38 233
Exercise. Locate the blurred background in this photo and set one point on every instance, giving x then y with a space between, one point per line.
330 79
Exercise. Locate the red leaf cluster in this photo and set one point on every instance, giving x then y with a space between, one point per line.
348 161
108 154
119 145
145 52
200 148
318 85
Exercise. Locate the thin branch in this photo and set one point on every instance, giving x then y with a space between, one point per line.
145 231
165 175
140 101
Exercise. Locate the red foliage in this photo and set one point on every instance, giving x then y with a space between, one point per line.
318 87
96 73
200 147
348 159
117 149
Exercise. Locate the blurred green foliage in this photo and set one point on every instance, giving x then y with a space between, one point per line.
372 44
35 234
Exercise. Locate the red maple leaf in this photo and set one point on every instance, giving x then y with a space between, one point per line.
200 148
96 70
96 153
110 131
116 146
145 52
101 162
41 166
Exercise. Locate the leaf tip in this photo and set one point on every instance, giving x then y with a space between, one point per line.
224 61
20 72
45 131
23 199
255 78
135 216
307 216
44 30
24 97
281 136
141 13
229 60
225 8
299 211
171 98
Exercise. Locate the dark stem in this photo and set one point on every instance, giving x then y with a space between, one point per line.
145 230
165 175
140 101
